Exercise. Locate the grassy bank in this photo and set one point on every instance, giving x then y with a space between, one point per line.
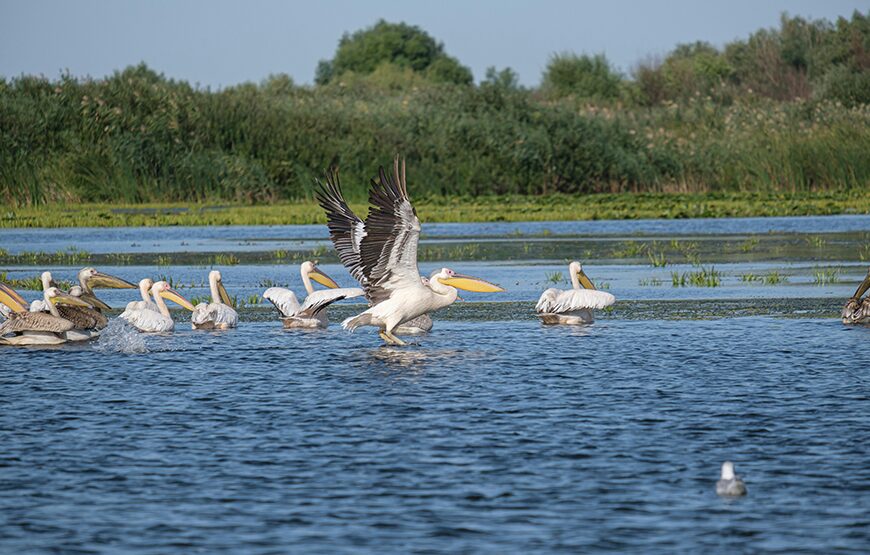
511 208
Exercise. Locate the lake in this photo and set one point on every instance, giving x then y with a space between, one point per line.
492 433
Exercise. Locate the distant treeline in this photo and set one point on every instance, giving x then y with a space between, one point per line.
786 109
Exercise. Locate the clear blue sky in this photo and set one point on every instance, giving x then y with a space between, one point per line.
217 42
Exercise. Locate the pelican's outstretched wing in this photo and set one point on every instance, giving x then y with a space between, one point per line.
283 299
319 300
346 229
555 301
389 248
19 322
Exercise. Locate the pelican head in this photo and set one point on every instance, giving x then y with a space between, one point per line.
448 277
857 310
89 278
56 296
47 280
163 289
310 269
579 277
145 285
727 470
216 283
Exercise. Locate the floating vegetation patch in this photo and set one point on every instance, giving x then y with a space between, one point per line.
650 282
33 283
225 260
657 259
704 277
555 277
770 278
816 241
826 276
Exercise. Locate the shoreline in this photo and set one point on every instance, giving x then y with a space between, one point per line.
509 208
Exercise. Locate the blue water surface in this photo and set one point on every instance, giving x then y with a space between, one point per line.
484 437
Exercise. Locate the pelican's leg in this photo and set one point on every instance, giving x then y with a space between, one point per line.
390 338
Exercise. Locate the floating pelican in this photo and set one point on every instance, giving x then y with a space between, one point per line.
147 320
388 261
857 310
23 327
730 484
90 278
218 314
88 322
346 231
311 313
147 303
40 305
573 306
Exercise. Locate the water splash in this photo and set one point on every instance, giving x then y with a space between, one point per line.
121 337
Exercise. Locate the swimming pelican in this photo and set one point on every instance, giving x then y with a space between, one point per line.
311 313
87 321
857 310
89 278
147 320
730 484
573 306
346 231
388 260
145 291
218 314
36 328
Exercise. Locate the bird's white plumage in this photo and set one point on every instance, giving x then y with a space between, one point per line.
557 301
214 315
39 305
147 320
283 299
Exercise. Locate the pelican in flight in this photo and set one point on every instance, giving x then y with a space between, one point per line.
857 310
388 261
218 314
575 305
23 327
346 231
312 312
147 320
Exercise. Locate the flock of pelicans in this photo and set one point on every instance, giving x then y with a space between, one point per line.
380 253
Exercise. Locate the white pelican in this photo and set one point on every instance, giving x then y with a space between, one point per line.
23 327
730 484
573 306
145 291
346 231
857 310
311 313
388 260
218 314
147 320
88 279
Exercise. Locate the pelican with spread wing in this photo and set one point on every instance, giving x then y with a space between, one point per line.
312 312
23 327
218 314
575 305
857 310
388 261
346 231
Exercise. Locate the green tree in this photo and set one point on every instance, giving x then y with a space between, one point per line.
583 76
400 44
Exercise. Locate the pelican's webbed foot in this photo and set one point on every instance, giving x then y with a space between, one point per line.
391 339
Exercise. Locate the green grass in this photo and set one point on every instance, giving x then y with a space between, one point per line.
771 278
33 283
488 208
555 277
704 277
826 276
